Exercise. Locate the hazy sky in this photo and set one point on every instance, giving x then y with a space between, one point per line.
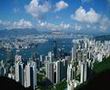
55 14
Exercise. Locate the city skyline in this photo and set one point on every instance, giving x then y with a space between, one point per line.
58 68
55 44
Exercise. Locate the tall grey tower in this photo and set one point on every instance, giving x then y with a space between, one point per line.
83 72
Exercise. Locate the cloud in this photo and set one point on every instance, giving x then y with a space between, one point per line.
85 1
21 24
90 19
77 27
61 5
36 9
4 24
104 24
50 26
82 16
59 27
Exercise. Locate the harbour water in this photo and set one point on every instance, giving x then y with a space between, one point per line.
41 49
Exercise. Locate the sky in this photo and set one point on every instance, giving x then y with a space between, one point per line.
55 14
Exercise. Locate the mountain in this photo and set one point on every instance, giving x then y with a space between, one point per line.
103 37
32 31
18 32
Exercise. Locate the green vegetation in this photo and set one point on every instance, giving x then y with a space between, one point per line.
61 86
99 67
39 77
81 86
102 66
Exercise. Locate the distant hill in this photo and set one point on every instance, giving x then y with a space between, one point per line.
4 33
20 32
103 37
17 32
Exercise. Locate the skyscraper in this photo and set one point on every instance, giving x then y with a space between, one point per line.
19 72
58 75
31 75
83 72
2 68
50 71
2 71
50 58
73 51
18 58
27 75
72 84
55 49
70 72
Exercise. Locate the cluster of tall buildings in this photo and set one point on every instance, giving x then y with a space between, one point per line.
26 74
56 70
75 67
85 53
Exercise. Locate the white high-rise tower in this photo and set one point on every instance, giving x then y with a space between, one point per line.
50 71
58 77
31 75
19 72
83 72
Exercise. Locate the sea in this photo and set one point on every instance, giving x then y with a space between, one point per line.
41 49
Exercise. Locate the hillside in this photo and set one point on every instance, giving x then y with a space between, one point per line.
102 66
101 79
103 37
20 32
